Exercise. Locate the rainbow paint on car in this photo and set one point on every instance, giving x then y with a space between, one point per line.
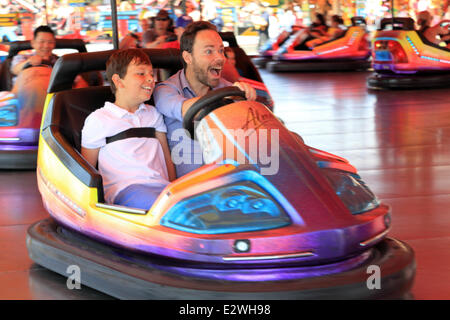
407 52
349 51
353 45
403 58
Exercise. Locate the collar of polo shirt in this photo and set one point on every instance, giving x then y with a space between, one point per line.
120 112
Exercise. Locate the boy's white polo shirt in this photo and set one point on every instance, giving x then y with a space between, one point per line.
128 161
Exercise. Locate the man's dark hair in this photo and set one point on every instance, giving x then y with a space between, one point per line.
43 29
189 34
119 61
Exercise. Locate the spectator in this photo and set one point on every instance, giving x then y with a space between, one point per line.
154 38
180 25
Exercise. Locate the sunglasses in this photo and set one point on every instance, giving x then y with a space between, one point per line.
162 19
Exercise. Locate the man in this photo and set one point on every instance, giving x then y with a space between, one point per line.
43 44
203 59
157 36
30 84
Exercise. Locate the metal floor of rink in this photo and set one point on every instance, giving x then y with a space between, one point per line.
398 140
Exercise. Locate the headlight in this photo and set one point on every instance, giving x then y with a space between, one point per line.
352 190
238 207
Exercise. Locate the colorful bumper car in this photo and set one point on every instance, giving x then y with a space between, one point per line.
270 48
404 59
349 51
290 223
20 113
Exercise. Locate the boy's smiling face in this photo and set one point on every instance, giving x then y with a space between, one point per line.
138 83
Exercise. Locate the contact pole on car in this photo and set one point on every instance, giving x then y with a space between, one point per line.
114 24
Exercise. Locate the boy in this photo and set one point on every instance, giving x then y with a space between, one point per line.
136 169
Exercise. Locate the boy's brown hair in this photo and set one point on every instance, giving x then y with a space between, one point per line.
119 61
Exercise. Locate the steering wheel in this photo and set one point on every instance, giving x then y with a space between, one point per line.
44 63
206 104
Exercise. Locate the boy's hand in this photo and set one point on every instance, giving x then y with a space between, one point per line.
250 92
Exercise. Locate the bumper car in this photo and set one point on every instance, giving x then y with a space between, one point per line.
270 48
20 113
299 223
404 59
350 51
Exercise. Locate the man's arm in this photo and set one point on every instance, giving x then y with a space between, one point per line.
18 66
169 100
171 103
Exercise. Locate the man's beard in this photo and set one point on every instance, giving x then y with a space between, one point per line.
202 77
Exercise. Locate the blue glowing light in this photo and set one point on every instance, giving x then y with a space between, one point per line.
239 207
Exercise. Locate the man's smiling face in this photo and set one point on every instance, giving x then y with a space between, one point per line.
207 57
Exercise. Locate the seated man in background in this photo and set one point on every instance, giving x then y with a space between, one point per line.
32 76
43 44
333 32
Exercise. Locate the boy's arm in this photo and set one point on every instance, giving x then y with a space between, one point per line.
161 136
91 155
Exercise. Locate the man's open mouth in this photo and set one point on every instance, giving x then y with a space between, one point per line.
215 71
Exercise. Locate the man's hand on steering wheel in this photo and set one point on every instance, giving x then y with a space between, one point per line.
250 92
206 104
35 60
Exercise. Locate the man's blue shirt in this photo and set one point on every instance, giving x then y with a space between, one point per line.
169 97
